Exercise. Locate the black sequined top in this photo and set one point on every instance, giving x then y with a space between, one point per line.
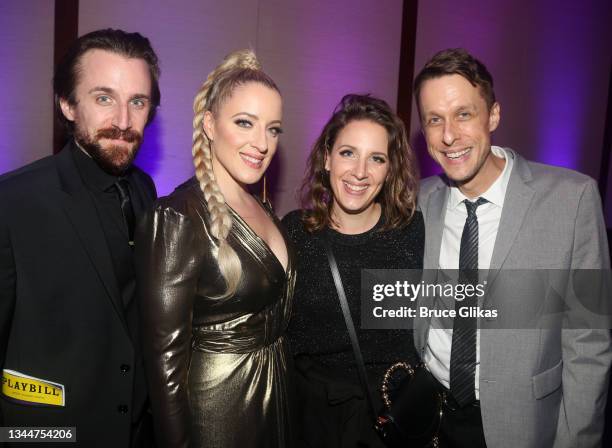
317 326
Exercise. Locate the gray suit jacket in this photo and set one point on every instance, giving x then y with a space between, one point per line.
538 387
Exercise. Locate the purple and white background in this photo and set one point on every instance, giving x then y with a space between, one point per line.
550 61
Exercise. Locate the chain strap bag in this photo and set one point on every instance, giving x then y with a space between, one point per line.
417 403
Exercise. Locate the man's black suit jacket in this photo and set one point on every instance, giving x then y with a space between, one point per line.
61 314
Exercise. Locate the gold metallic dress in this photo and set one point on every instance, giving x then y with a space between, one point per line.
218 369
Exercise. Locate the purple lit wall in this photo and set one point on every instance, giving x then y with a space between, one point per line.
26 66
316 51
550 60
319 51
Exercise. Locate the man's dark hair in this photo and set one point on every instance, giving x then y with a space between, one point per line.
130 45
457 61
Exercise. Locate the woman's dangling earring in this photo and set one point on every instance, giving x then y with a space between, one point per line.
264 190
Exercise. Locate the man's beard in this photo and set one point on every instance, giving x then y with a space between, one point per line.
113 159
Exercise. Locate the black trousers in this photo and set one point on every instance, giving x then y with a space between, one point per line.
460 427
331 412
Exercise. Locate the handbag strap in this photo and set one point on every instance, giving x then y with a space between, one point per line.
348 320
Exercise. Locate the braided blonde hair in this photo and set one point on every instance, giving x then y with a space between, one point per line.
238 68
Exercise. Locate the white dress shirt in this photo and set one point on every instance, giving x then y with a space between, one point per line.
438 350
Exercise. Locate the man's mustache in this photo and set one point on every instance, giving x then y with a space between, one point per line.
117 134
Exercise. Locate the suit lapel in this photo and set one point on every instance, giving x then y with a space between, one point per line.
434 226
142 196
519 196
83 216
434 213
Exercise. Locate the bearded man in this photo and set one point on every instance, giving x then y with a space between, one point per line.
69 337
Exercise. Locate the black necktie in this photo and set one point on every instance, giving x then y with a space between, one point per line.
122 186
463 348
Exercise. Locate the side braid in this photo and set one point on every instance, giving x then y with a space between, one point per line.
220 217
236 69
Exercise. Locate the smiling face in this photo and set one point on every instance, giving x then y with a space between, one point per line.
112 103
457 125
244 134
358 164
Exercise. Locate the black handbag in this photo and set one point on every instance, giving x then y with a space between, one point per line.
413 418
413 411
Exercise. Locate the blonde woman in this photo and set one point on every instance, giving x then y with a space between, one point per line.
216 277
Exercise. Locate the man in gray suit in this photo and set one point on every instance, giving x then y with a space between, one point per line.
492 209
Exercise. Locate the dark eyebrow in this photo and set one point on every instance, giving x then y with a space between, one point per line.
140 96
467 107
136 96
101 89
375 153
255 117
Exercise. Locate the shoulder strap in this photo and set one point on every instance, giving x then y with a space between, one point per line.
348 320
